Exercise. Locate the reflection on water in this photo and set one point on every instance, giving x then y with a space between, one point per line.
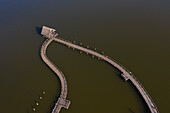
135 33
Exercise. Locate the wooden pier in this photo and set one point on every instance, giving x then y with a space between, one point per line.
125 74
61 102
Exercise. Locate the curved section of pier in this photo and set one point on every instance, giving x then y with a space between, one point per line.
125 73
61 102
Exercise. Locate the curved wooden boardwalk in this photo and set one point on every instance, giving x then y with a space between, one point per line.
61 102
125 73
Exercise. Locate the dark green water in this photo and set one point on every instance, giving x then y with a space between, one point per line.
134 32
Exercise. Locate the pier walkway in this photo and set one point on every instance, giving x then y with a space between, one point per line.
125 73
61 102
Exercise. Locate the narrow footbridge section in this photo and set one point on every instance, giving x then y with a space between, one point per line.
125 73
61 102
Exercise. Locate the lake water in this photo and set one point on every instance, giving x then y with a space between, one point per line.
136 33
